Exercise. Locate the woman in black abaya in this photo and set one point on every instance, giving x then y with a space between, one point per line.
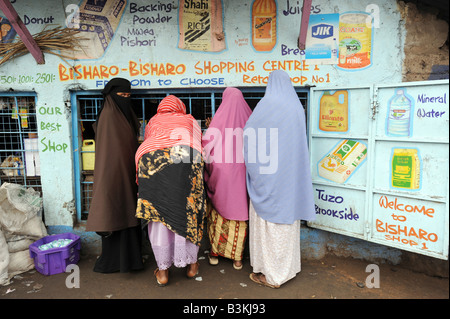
113 206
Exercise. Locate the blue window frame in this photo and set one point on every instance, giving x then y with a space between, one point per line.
201 103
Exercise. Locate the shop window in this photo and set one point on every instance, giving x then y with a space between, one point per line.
85 106
19 154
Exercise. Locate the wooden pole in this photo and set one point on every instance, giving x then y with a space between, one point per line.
304 24
22 31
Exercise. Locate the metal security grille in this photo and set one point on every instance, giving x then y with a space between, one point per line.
19 154
202 104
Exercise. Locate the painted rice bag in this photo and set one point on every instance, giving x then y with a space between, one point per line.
200 25
405 169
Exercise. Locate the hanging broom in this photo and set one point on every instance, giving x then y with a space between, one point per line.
52 41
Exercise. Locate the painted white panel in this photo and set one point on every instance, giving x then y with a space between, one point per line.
411 174
432 162
401 190
410 224
340 125
427 118
325 166
334 106
339 210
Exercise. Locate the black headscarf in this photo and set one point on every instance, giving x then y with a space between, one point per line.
115 86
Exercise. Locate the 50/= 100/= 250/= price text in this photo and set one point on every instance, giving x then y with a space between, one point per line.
39 78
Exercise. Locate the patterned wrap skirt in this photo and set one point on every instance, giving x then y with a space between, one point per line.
171 190
227 237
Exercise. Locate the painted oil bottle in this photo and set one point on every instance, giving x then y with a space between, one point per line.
333 111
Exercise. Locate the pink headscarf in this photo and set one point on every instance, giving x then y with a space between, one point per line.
170 126
224 162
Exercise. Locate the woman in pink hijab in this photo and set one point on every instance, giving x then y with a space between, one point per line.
225 178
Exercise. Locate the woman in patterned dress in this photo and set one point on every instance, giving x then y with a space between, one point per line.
171 192
225 179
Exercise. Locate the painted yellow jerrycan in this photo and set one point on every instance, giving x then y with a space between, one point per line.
333 113
88 155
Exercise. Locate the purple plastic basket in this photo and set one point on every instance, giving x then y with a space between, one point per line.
55 260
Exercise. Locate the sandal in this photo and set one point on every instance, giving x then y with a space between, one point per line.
191 273
161 284
257 278
237 267
213 260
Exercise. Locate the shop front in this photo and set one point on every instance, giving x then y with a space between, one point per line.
378 142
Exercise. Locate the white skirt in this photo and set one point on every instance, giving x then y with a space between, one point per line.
274 248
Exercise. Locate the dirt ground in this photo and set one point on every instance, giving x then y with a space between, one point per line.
330 278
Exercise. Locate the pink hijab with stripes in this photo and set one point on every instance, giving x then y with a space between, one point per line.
169 127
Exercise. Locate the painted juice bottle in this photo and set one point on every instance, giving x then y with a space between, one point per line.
399 116
264 24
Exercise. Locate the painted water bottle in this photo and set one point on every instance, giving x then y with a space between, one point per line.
264 24
399 117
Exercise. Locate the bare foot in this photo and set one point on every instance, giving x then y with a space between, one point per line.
192 270
237 264
162 276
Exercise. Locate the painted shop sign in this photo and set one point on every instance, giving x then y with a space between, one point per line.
198 43
52 126
146 72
